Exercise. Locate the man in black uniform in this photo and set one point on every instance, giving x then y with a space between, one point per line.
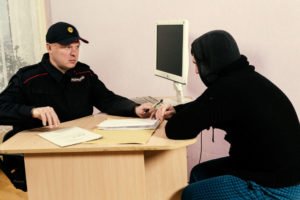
58 89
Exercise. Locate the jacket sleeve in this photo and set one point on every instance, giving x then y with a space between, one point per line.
109 102
13 108
190 119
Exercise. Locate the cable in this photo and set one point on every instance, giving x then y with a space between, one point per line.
200 156
213 135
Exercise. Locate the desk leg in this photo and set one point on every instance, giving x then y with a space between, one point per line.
166 174
86 176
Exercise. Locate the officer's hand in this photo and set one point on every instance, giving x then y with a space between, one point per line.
144 110
47 115
165 111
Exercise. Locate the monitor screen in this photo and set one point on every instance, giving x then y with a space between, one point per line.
172 50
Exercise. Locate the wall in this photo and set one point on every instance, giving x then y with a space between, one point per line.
122 44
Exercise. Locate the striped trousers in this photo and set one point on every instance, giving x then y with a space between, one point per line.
209 182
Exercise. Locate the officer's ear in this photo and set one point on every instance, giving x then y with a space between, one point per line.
48 47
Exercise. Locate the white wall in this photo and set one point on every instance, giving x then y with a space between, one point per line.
122 43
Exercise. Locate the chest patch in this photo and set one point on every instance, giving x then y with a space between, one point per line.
78 79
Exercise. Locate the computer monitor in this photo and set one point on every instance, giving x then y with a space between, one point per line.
172 53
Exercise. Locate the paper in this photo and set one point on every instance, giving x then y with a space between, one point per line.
110 137
69 136
128 124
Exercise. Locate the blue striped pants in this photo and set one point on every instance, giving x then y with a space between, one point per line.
229 187
209 181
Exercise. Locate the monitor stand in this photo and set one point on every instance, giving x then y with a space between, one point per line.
179 99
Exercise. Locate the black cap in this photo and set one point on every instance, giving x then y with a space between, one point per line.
63 33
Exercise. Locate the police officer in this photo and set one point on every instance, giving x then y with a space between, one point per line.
57 89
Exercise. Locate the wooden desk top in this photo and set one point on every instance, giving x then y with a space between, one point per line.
29 142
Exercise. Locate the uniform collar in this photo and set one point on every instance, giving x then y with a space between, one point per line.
55 73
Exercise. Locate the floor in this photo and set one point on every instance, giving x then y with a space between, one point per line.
8 191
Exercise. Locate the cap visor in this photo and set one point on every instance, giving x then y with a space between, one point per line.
84 40
71 40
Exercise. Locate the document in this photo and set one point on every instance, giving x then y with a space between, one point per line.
110 137
128 124
69 136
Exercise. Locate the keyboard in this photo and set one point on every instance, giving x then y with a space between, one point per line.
145 99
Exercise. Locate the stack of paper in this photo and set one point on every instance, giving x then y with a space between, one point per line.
128 124
68 136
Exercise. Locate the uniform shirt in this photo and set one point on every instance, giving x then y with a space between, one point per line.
260 122
72 95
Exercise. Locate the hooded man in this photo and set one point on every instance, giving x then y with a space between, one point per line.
260 122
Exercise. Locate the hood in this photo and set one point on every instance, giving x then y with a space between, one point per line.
213 52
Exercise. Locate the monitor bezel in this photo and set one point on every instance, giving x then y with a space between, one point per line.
185 53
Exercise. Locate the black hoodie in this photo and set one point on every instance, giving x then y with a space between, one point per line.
260 122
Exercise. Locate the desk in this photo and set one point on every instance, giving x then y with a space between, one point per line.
153 171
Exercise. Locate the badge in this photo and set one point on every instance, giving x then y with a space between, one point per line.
77 79
70 29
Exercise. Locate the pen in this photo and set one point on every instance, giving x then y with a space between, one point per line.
160 122
154 105
157 103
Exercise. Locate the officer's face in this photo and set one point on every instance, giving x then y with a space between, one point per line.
63 57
